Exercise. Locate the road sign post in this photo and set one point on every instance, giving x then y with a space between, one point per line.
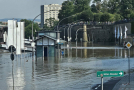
110 73
101 81
128 45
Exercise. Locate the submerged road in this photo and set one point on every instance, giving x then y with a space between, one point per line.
73 71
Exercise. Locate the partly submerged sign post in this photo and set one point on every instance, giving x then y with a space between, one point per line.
109 74
128 45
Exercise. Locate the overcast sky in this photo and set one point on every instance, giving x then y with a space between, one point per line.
26 9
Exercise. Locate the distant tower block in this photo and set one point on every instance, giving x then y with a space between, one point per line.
85 39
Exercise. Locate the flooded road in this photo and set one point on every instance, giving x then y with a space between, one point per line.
75 70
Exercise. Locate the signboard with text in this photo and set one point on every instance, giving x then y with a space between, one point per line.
110 73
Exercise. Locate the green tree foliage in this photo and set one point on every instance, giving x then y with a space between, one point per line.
113 6
81 5
98 5
112 17
79 8
87 15
105 17
97 16
66 10
132 15
28 28
126 7
117 17
104 10
104 6
93 8
50 24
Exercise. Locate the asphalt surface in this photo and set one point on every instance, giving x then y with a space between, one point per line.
108 85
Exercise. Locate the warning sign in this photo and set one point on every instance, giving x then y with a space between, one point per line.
128 45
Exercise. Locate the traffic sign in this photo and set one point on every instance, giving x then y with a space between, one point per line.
110 73
128 45
11 48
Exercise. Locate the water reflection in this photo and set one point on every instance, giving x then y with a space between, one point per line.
85 50
125 53
66 73
19 81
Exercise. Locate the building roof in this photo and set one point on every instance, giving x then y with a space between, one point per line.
47 36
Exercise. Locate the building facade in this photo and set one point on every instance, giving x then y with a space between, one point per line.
50 14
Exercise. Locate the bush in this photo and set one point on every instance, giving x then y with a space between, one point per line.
97 16
105 17
117 17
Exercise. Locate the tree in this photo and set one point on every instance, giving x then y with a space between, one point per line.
105 17
93 8
66 10
113 6
28 28
50 24
104 6
87 15
81 5
132 15
97 16
98 5
112 17
126 6
27 22
117 17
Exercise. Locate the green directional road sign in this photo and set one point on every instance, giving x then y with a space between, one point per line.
110 73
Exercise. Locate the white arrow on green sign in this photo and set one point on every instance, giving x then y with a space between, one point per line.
110 73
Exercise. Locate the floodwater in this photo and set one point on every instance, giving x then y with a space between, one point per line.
75 70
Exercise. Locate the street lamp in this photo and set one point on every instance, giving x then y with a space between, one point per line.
76 35
82 28
36 17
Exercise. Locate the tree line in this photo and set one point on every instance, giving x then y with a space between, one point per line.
100 11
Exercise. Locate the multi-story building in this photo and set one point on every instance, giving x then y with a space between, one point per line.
49 14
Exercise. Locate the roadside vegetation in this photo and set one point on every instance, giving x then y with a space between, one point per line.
99 11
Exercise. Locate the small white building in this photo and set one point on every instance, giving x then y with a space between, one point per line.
45 46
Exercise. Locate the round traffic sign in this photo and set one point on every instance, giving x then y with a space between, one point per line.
11 48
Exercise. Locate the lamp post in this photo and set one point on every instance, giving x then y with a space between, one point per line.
70 27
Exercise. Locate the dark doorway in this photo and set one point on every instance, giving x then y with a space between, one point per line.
45 51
